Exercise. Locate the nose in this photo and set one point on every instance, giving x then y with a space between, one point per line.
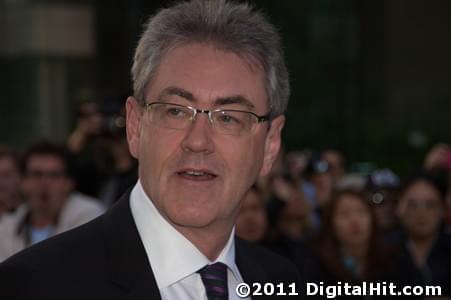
198 135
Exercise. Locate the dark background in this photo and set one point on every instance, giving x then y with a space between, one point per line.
370 77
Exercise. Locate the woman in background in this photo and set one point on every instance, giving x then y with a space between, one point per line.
349 247
424 246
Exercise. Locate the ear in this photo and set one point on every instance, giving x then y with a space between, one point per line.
272 144
133 124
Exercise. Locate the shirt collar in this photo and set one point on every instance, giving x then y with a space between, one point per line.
171 255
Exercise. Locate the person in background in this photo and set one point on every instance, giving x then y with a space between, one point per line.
88 145
438 157
336 161
383 188
252 220
438 161
295 164
293 219
425 250
51 205
10 176
349 247
289 216
125 170
318 186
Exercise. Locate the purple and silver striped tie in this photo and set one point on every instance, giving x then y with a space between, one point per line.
214 277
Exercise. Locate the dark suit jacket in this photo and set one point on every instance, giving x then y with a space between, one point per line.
105 259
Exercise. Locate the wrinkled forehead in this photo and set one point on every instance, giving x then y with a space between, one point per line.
8 163
205 73
45 162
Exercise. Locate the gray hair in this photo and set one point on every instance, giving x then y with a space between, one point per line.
230 26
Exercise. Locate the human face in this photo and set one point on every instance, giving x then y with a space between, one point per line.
45 184
251 223
336 164
9 183
293 218
324 185
421 210
227 165
352 221
91 120
385 211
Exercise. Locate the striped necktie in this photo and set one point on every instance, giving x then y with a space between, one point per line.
214 277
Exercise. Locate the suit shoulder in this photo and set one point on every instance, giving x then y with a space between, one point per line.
73 261
62 251
278 266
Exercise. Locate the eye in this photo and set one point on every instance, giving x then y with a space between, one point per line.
228 119
175 112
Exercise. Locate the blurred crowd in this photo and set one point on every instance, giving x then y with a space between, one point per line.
333 224
349 227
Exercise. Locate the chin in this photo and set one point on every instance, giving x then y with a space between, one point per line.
194 220
191 213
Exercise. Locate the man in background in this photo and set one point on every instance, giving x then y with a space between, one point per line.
51 204
10 176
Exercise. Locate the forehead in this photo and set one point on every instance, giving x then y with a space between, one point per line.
7 163
209 74
45 162
421 189
348 201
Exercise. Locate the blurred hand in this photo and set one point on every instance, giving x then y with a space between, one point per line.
282 189
437 157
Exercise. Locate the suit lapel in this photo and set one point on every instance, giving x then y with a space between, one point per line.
129 266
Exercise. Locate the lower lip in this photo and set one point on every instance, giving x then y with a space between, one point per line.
204 178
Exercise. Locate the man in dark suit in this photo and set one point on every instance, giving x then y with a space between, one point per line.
210 90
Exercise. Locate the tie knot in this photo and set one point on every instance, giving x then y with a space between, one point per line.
214 277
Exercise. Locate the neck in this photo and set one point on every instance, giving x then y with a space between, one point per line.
40 220
420 248
209 241
359 253
356 251
9 203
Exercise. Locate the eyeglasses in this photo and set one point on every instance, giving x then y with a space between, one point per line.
38 174
224 121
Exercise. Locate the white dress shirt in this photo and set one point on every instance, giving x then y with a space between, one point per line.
173 258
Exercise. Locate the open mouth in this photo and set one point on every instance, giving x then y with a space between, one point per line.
197 175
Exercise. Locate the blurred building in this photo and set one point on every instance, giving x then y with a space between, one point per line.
46 54
369 77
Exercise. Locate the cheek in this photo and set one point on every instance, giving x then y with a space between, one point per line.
345 226
156 150
247 156
366 224
154 147
28 186
261 218
58 188
339 226
435 217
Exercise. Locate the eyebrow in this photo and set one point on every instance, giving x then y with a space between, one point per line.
235 99
175 91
